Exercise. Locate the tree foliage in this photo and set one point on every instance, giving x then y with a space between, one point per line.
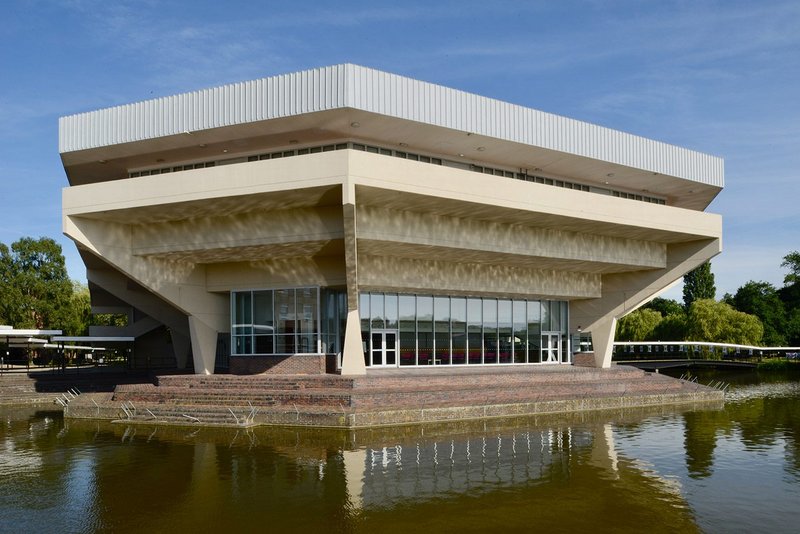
35 289
665 307
638 325
671 328
698 284
709 320
762 300
792 262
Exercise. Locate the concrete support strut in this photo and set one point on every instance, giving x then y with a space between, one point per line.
352 352
603 341
204 346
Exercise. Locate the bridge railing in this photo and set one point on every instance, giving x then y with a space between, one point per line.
697 350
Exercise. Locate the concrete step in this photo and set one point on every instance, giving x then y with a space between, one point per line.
408 393
259 397
290 382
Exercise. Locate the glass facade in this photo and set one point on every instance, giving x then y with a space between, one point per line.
425 330
401 330
305 320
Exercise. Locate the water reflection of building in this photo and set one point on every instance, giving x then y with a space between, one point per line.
298 480
426 469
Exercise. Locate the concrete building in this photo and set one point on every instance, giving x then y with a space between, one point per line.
346 217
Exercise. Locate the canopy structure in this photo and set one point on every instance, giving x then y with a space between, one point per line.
11 332
93 339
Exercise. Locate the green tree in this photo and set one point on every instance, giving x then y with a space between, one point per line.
671 328
792 261
34 287
638 325
698 284
709 320
77 320
790 296
665 306
762 300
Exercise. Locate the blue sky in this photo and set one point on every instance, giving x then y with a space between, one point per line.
719 77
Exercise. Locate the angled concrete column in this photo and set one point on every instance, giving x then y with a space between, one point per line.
624 292
352 352
603 340
204 346
181 284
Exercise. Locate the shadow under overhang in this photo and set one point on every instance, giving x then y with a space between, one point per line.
115 161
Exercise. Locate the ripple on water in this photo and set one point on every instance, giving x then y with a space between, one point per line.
764 390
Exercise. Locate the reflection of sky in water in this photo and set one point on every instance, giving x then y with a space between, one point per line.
738 467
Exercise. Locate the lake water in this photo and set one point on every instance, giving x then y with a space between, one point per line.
731 469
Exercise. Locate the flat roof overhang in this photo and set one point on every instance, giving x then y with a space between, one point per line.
244 118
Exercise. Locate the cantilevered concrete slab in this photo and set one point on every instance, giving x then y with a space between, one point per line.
350 178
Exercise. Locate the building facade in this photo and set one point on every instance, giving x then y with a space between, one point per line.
346 218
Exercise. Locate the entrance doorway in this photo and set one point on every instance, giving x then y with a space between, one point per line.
383 348
551 347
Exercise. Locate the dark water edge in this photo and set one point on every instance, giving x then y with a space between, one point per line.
666 469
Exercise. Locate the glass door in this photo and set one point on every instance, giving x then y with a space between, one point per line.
383 350
551 347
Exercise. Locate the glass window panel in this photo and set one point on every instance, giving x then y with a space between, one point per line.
545 316
390 352
377 348
490 347
262 312
441 314
408 330
285 311
520 331
534 330
285 344
265 344
242 345
242 308
474 331
307 311
390 307
424 330
555 315
363 311
458 325
327 312
506 340
441 324
307 343
565 317
377 315
565 353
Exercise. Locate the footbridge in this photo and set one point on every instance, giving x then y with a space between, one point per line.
654 355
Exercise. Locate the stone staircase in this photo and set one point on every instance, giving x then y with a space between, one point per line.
18 388
45 386
386 397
